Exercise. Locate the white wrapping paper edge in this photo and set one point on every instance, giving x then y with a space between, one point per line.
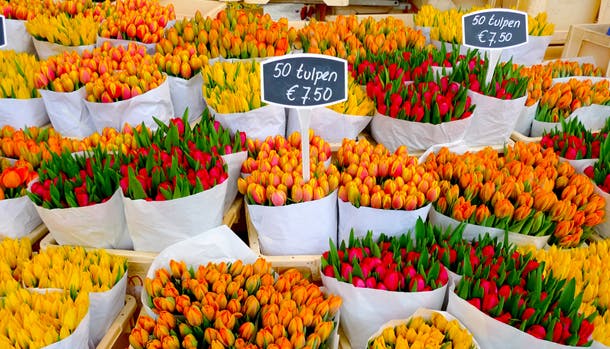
216 245
493 119
187 94
417 136
329 124
18 38
20 113
593 117
426 314
68 113
524 123
154 225
104 307
604 227
234 162
528 54
388 222
18 217
473 231
364 309
269 120
46 49
101 225
78 339
296 229
156 102
491 333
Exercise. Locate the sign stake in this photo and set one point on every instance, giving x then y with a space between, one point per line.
304 121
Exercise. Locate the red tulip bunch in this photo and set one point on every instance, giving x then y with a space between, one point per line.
600 171
507 82
373 177
574 141
407 65
391 264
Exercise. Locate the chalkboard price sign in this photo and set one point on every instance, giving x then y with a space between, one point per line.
494 29
304 80
2 31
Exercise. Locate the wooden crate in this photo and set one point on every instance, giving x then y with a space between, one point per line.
589 40
519 137
562 13
123 324
35 235
604 12
449 4
188 8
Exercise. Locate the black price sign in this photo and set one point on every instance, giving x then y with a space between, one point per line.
304 80
494 29
2 31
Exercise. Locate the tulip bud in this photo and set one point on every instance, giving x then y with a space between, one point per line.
189 342
138 338
264 337
194 316
170 342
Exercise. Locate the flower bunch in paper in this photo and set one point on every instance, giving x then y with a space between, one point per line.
64 29
563 98
17 71
180 62
232 87
574 141
234 305
600 171
138 20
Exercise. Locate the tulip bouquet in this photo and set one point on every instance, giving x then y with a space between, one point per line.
585 265
390 277
18 216
526 191
25 10
430 329
20 105
138 20
347 37
34 144
541 306
507 82
37 320
234 305
564 98
446 25
407 65
539 25
232 93
373 179
114 141
13 254
600 174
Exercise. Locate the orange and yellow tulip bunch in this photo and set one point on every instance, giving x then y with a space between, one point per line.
138 20
17 72
371 176
276 174
526 190
183 62
559 101
541 76
73 269
34 320
26 9
234 305
233 33
34 144
14 178
586 265
436 332
347 37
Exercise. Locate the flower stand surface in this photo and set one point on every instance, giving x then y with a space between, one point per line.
122 324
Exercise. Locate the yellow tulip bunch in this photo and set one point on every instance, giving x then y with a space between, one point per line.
232 87
539 25
357 103
427 16
448 24
13 254
17 75
588 265
420 333
64 29
74 269
33 320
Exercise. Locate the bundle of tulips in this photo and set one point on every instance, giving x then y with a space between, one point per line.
562 99
17 75
574 141
527 190
64 29
234 305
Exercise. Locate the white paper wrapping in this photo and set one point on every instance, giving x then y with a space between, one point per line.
156 102
78 339
524 123
187 94
104 307
17 37
473 231
329 124
260 123
388 222
491 333
425 32
417 136
426 314
594 79
364 310
604 227
20 113
68 113
493 119
528 54
580 165
18 217
101 225
297 229
593 117
233 162
448 47
216 245
154 225
150 48
46 49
